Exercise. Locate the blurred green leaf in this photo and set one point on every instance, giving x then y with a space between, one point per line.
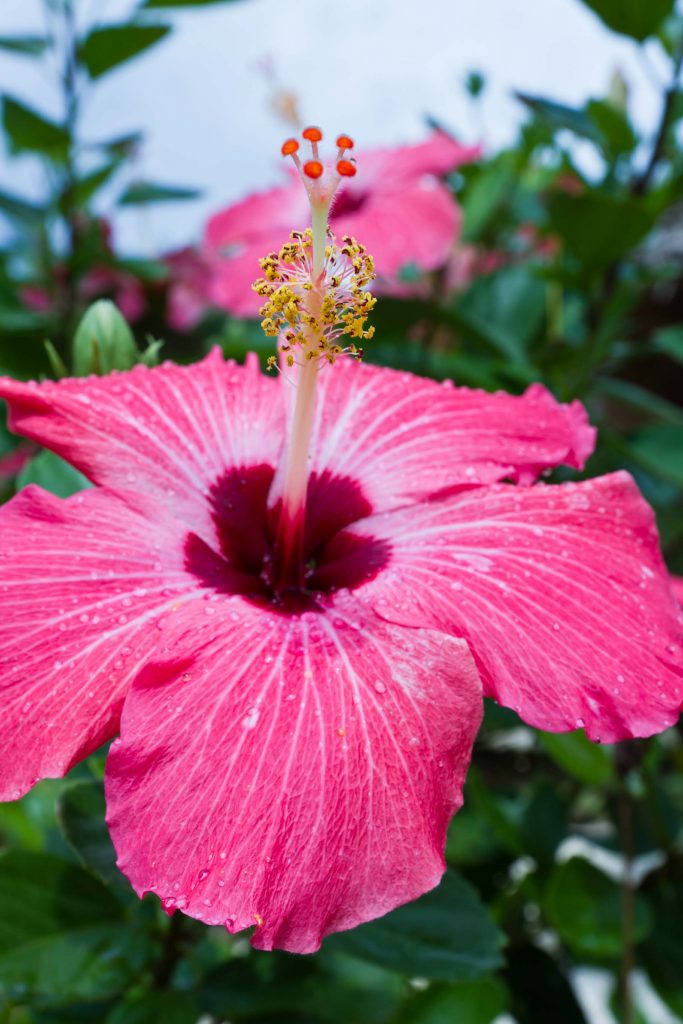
486 194
616 133
472 1002
507 309
106 48
544 823
103 341
574 753
157 1008
27 130
62 934
669 340
146 192
540 991
599 228
636 18
446 934
53 474
559 116
87 186
81 809
29 46
123 146
670 33
21 210
475 83
659 449
628 393
584 905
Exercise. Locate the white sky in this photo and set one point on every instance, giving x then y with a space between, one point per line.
373 68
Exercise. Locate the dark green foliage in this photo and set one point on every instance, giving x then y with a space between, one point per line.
636 18
443 935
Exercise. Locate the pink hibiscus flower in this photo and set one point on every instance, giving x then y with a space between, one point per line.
293 639
396 204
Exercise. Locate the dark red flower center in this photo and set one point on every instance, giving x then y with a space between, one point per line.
245 557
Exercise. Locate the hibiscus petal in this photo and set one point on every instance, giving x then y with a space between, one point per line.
231 278
424 219
403 439
293 772
560 592
394 168
171 432
84 583
259 216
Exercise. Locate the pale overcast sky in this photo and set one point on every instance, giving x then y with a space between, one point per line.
373 68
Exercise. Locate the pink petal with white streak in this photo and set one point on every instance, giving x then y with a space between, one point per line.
84 583
403 439
292 772
171 432
560 592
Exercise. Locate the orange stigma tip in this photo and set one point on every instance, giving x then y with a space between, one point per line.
313 169
345 142
346 168
289 147
312 134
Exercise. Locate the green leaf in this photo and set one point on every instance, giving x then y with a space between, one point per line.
574 753
21 210
123 146
636 18
598 228
81 810
640 398
540 991
158 1008
62 934
669 340
616 133
29 46
103 341
106 48
53 474
146 192
560 117
659 449
486 194
446 934
470 1002
91 183
507 309
27 130
585 907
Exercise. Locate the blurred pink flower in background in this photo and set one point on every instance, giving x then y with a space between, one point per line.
396 203
103 278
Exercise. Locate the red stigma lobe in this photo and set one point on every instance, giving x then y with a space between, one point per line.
312 134
346 168
313 169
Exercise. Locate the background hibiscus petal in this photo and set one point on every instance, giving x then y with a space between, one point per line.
424 220
171 432
293 772
84 584
560 591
